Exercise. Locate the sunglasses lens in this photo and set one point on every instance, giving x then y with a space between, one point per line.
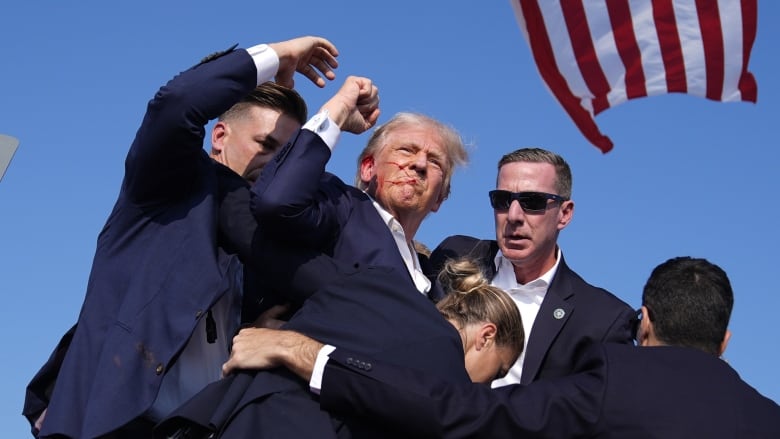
529 201
500 199
533 202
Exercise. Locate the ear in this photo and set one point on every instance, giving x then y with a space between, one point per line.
218 134
367 169
646 332
565 214
725 342
486 334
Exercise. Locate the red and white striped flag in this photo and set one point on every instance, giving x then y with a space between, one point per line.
595 54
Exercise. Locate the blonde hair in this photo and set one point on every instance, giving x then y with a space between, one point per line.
471 299
456 154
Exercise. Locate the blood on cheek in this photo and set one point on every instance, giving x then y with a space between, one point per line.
401 179
369 161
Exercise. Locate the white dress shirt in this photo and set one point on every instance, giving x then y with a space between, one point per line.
322 125
528 298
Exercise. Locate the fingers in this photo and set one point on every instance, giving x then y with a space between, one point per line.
320 63
246 352
355 108
227 368
368 99
272 313
313 57
324 61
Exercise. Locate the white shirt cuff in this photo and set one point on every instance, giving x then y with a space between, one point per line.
266 60
322 125
315 384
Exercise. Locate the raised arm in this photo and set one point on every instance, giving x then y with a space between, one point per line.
168 148
289 196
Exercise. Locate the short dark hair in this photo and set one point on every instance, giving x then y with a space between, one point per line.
689 302
563 179
274 96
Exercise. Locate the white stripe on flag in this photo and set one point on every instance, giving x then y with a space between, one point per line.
686 40
731 22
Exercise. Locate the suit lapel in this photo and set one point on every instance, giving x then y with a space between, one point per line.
555 311
374 221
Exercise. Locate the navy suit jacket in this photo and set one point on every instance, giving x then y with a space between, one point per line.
298 202
591 314
158 266
368 308
616 391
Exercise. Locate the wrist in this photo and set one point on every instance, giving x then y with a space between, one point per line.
299 354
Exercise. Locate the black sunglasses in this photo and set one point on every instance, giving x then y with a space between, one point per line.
531 202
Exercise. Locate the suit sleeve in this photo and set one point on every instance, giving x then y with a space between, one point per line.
167 154
38 391
422 405
620 330
293 196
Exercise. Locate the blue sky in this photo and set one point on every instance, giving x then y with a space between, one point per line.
687 176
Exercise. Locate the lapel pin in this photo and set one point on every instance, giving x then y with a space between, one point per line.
559 313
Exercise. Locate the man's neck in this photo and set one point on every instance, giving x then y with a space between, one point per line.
532 270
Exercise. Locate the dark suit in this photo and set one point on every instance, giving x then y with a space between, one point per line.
590 314
297 201
370 308
158 267
617 391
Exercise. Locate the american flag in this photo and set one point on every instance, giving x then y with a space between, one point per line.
595 54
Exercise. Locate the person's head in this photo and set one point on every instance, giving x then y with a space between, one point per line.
408 162
247 135
687 302
531 205
486 317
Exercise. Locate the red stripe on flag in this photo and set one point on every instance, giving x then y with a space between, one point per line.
628 49
545 61
712 39
585 54
747 83
671 49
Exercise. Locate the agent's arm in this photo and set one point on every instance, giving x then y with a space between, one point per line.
423 405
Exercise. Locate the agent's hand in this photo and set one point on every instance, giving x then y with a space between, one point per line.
261 348
307 56
271 318
355 107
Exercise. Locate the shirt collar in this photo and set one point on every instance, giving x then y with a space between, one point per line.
408 254
386 217
505 273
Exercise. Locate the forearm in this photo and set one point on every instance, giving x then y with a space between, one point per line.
263 348
167 152
299 354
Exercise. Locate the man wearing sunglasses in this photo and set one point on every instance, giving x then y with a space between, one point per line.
561 312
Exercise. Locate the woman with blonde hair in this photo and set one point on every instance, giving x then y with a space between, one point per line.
486 317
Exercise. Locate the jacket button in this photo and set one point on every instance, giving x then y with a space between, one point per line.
159 369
